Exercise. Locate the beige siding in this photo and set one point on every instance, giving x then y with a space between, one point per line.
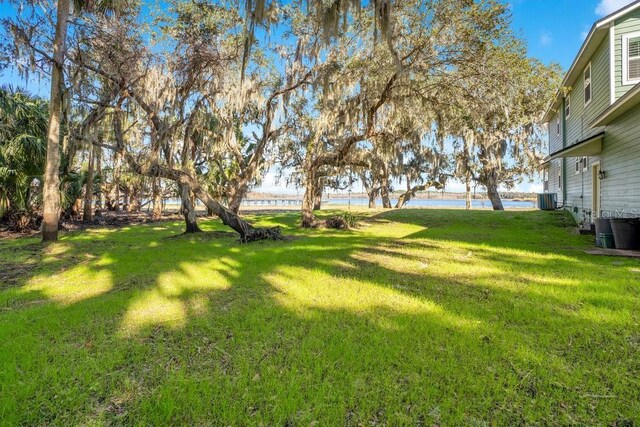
578 196
580 115
555 138
575 189
555 178
629 24
620 159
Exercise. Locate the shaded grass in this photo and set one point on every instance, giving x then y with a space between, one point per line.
417 317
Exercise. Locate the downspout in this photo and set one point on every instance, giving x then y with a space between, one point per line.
564 160
582 195
582 170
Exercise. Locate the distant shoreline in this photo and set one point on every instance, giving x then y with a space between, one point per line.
426 195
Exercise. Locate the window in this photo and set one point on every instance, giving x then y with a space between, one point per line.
587 85
558 126
581 164
545 180
631 59
567 106
560 177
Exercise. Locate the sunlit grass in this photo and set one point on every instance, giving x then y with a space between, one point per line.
417 317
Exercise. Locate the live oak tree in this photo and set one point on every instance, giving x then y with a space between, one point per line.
495 117
409 151
364 84
201 102
170 96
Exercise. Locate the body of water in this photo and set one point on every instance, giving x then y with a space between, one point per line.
416 203
436 203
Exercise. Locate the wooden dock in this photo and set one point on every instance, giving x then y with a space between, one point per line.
272 202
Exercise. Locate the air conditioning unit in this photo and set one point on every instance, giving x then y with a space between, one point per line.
547 201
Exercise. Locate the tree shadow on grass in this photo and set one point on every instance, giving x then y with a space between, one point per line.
126 327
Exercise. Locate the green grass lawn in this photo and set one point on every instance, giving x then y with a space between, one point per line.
417 317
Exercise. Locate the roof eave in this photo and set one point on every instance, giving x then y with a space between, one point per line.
602 24
587 147
591 43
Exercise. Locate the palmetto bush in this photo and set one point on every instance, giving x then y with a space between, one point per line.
23 129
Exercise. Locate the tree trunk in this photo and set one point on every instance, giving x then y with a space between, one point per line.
51 188
308 218
238 195
87 215
467 142
156 213
401 201
492 191
410 194
98 168
384 188
247 232
372 199
384 193
134 201
317 196
468 191
75 209
117 167
125 200
188 210
370 188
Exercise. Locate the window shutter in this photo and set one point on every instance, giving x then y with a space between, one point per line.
587 94
587 84
634 58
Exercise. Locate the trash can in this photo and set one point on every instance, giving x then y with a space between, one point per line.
606 240
603 225
626 233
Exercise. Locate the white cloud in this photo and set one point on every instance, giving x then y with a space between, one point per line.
585 32
606 7
545 38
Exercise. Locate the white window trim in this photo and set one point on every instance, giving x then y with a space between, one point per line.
581 165
625 59
584 83
567 101
560 177
612 63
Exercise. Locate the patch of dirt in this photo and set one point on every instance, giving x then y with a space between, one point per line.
11 273
119 219
205 235
106 219
8 234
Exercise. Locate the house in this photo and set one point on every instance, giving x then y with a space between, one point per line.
594 123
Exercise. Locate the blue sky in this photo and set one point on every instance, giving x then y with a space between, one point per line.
554 31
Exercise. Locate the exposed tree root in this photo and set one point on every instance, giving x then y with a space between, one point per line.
255 234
